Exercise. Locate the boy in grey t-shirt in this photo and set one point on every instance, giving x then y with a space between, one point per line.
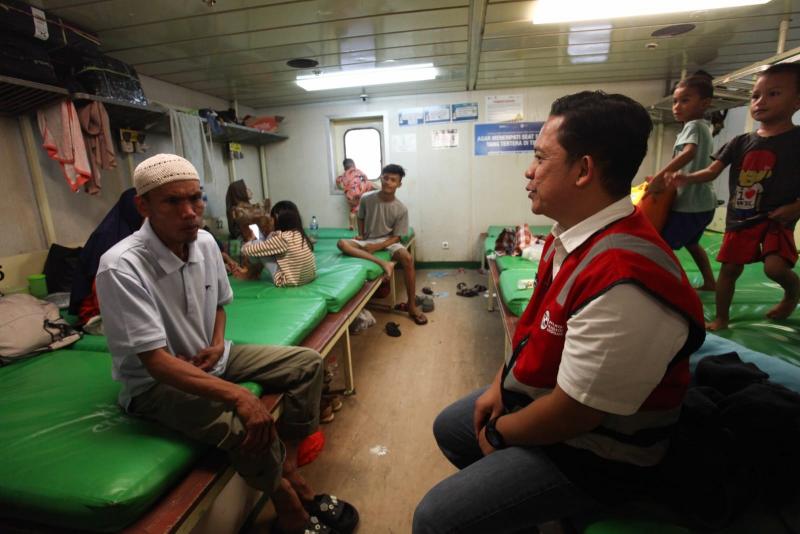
382 222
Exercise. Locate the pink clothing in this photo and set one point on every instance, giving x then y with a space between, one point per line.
95 125
354 183
63 140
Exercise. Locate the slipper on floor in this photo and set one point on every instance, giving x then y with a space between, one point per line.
425 302
466 292
334 400
479 288
393 329
427 290
402 307
337 514
312 526
419 319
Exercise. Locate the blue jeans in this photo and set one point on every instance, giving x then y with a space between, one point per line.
510 490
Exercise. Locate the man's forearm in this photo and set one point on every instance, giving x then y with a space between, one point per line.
172 371
550 419
218 337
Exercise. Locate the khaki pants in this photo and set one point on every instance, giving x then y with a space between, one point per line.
294 371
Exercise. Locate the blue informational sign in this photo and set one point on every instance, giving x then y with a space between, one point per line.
506 137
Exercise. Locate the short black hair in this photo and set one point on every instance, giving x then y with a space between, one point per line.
700 82
347 163
613 129
393 168
781 68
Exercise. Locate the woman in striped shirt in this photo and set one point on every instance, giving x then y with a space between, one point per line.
287 252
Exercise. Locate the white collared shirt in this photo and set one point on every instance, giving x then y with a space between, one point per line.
150 298
617 347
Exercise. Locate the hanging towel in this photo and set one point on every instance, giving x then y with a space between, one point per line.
97 132
62 138
189 140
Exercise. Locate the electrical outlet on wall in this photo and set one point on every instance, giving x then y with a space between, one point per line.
445 245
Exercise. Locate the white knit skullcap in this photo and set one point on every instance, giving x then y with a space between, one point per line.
162 169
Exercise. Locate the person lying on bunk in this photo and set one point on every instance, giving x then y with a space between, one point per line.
382 222
287 252
580 414
162 292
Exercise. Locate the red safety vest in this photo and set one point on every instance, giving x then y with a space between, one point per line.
627 251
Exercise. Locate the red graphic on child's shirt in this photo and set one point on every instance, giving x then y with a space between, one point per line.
757 166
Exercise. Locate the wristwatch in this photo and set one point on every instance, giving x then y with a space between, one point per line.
493 436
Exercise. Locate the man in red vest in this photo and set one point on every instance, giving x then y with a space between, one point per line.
580 413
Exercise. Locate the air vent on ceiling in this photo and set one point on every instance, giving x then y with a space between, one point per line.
672 31
302 63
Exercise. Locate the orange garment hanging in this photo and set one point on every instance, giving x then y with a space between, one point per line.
63 140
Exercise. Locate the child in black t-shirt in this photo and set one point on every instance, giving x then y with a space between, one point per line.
764 202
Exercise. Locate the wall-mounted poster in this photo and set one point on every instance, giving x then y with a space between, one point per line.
465 111
505 138
444 138
411 117
437 113
504 108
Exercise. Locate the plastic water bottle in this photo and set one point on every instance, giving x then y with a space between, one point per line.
314 226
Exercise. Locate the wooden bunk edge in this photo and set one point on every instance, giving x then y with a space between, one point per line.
509 319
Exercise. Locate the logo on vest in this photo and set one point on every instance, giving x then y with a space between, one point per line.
550 327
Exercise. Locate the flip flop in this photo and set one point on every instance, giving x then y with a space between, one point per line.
419 319
313 525
402 306
393 329
466 292
479 288
427 290
340 516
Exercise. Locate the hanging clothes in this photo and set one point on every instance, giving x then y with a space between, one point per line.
97 131
189 140
63 140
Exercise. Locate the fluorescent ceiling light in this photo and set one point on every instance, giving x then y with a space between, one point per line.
589 43
365 77
555 11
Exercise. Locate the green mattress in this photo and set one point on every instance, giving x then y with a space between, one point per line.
505 263
71 458
337 285
755 294
633 521
284 321
334 234
515 299
332 259
91 343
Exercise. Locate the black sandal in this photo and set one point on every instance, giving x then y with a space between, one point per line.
312 526
340 516
393 329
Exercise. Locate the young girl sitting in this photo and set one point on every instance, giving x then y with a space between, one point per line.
694 205
287 251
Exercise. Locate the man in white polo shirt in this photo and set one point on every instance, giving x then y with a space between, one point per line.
162 292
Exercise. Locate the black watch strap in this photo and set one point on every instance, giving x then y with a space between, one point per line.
493 436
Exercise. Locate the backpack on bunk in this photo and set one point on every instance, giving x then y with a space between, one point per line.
29 326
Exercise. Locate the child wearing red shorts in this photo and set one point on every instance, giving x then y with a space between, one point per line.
764 202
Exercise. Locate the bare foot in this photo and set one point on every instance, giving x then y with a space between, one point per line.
783 309
707 287
717 324
417 316
388 269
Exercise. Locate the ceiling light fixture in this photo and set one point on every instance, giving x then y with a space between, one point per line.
556 11
365 77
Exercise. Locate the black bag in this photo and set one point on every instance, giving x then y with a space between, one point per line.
26 59
105 76
24 21
60 267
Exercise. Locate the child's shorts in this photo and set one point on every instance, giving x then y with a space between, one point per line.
683 229
394 247
754 243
